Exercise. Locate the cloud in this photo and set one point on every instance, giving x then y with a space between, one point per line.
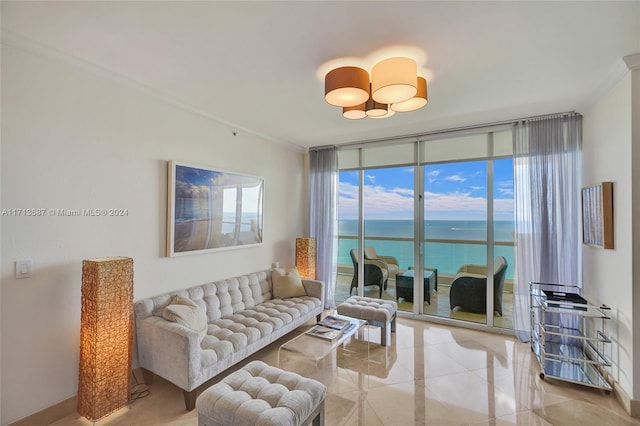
397 203
432 175
379 202
503 208
439 205
403 191
347 190
456 178
505 188
190 190
453 201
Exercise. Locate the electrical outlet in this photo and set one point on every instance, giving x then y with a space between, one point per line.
23 268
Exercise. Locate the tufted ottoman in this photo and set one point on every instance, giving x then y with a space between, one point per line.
259 394
378 312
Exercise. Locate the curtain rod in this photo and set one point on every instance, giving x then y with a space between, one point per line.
417 136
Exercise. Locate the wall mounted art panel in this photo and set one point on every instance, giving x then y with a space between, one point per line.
210 209
597 215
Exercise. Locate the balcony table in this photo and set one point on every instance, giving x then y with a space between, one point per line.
404 284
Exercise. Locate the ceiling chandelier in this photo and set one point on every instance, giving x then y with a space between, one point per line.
394 86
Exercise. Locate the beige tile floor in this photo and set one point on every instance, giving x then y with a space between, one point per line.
430 374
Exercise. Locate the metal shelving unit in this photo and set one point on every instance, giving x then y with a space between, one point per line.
568 335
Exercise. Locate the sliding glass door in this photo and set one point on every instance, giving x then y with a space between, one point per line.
455 212
503 246
439 214
348 230
388 230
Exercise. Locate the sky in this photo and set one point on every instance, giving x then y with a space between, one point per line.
453 191
197 183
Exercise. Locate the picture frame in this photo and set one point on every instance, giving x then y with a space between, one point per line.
211 209
597 215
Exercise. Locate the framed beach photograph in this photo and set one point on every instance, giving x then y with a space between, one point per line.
211 209
597 215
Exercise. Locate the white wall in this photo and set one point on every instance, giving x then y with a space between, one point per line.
73 138
607 149
635 179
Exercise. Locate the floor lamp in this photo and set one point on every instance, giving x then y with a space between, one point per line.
106 331
306 257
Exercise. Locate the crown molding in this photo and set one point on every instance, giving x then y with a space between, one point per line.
632 61
10 38
618 70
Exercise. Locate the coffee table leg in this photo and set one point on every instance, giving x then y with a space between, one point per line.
385 334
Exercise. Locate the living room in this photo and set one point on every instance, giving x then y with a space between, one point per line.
80 133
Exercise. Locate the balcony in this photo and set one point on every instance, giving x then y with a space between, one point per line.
446 255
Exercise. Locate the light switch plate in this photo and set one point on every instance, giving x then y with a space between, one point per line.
23 268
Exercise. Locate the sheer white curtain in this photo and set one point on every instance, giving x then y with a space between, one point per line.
323 195
547 173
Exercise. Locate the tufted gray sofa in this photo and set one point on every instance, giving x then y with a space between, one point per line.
242 316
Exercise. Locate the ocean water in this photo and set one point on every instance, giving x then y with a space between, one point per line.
445 256
200 209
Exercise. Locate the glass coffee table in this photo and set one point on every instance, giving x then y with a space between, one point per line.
309 355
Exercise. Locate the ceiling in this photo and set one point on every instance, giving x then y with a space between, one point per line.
258 66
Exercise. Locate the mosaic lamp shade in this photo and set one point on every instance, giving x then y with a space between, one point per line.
106 331
306 257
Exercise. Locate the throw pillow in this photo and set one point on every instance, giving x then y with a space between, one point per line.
287 284
186 312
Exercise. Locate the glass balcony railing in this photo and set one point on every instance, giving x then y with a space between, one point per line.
447 255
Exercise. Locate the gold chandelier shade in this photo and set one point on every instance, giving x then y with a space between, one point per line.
355 112
418 101
375 109
346 86
392 86
370 109
389 113
394 80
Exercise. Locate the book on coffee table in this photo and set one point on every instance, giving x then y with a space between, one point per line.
324 332
334 322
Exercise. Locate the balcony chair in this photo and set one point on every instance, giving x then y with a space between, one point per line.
469 287
391 262
375 272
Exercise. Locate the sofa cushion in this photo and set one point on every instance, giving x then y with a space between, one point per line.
468 274
186 312
370 253
499 262
287 284
235 332
226 297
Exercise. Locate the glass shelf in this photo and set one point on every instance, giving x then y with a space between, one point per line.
566 307
563 351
